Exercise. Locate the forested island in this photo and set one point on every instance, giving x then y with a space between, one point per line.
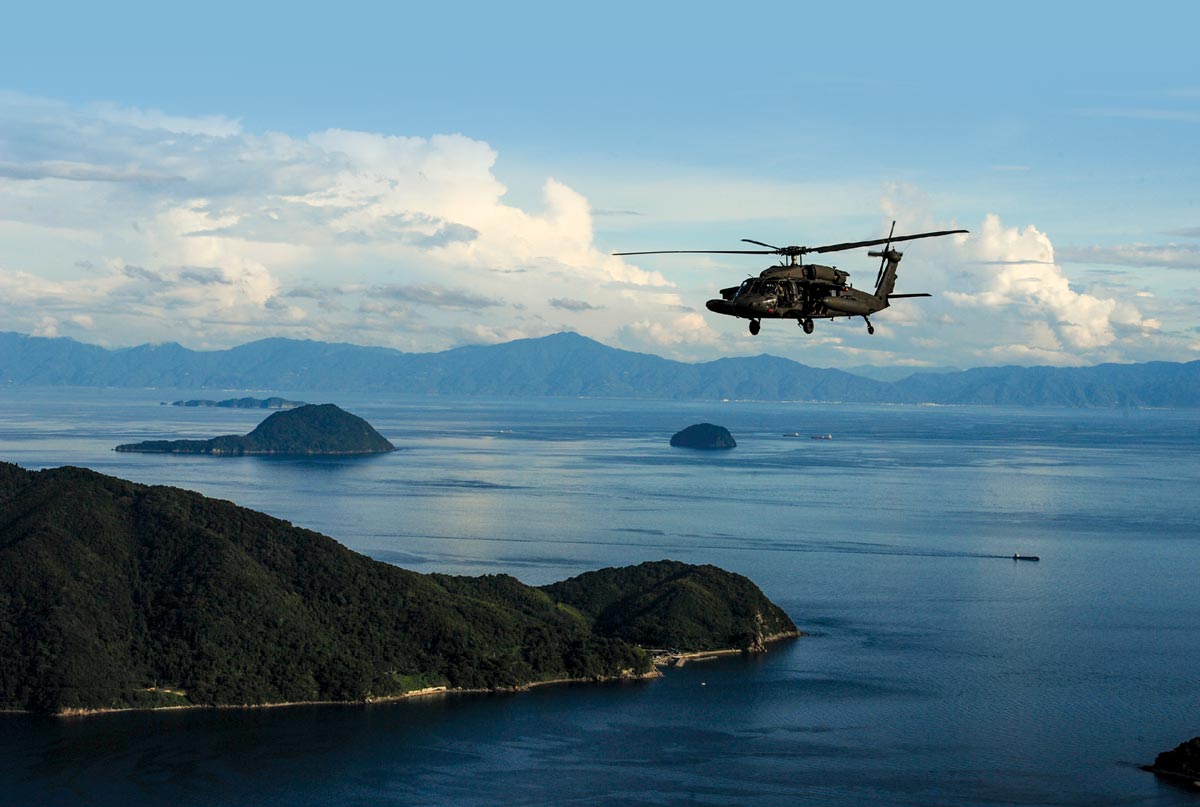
308 429
120 595
706 436
273 402
1181 763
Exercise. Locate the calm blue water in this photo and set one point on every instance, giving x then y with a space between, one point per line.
936 673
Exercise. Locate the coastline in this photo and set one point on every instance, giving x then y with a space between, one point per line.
658 659
667 658
1176 777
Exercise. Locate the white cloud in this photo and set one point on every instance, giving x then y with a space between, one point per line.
1002 295
678 336
251 222
47 326
1020 280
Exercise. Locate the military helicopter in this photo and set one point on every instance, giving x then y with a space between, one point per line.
804 292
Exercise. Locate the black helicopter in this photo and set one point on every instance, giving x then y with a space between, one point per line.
804 292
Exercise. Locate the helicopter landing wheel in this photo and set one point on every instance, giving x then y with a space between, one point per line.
807 325
870 327
755 327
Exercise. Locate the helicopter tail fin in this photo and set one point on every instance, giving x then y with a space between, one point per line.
885 282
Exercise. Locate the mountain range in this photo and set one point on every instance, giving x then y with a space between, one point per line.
567 364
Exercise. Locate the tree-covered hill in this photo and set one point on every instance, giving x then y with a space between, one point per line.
116 594
673 605
308 429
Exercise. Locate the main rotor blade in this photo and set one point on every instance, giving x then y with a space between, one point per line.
905 296
701 252
893 239
793 250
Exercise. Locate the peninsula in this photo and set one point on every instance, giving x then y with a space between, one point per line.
308 429
120 595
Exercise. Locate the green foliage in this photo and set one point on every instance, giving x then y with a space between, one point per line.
667 604
116 594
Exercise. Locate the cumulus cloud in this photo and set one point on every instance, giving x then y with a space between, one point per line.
47 326
154 226
1003 294
1026 285
676 336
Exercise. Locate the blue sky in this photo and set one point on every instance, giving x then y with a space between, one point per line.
424 178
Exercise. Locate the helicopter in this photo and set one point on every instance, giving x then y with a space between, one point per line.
808 291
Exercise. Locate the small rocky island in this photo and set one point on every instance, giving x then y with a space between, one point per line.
242 403
308 429
119 595
1181 764
704 436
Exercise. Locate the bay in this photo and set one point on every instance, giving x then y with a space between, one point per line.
937 670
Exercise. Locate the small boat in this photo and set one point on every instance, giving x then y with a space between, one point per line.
791 434
1025 557
821 436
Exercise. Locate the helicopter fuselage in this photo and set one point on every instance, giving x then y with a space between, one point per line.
801 292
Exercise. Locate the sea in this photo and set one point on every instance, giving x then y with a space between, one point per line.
936 670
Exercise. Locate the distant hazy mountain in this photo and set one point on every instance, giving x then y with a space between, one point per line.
564 364
1154 384
567 364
